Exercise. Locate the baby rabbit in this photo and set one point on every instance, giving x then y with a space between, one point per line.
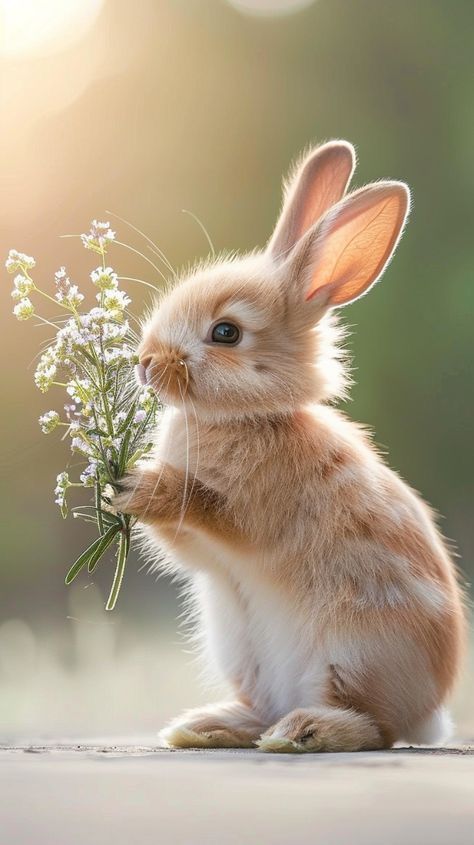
325 593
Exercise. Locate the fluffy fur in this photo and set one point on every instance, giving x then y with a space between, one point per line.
325 594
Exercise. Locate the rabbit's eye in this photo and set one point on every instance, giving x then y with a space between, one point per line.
225 333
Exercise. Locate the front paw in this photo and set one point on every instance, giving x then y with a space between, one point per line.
132 494
151 494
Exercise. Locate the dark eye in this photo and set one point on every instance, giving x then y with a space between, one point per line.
225 333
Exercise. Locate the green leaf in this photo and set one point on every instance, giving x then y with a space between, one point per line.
135 457
128 419
88 554
97 431
107 541
98 505
91 512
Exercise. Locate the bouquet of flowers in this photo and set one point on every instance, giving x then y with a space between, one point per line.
108 418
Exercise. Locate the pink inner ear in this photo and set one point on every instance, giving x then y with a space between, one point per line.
319 184
356 241
323 193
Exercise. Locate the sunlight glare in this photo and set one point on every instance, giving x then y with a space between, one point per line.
30 28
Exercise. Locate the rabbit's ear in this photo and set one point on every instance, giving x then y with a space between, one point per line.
351 246
319 182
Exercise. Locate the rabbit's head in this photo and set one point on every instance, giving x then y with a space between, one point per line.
255 335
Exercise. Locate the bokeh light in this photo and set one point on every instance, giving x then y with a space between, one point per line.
40 27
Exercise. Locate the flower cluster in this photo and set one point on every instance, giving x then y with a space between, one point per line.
98 237
66 293
19 261
22 283
49 421
108 418
62 484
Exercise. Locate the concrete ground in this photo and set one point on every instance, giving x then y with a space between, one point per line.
141 794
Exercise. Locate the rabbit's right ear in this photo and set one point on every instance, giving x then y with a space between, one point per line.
319 182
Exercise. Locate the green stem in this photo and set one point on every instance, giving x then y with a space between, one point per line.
119 570
100 369
98 504
67 308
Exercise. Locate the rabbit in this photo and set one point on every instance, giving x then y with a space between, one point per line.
324 594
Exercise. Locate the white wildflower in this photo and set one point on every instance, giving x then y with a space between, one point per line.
78 444
22 286
96 317
62 280
62 484
104 278
50 357
19 261
44 378
89 476
49 421
79 389
146 399
47 369
98 237
115 301
66 293
74 297
116 331
24 309
92 358
69 409
119 355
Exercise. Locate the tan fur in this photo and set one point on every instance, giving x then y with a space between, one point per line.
228 725
323 729
327 596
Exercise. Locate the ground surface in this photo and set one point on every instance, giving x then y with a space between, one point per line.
141 794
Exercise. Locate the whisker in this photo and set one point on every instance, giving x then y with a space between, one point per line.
140 281
187 374
159 252
186 474
197 448
145 258
159 476
203 229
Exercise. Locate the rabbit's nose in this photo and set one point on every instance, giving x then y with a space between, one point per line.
141 373
141 369
145 361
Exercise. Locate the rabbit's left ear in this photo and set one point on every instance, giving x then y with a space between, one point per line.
319 182
345 254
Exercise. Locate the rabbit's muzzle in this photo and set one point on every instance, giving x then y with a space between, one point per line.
166 372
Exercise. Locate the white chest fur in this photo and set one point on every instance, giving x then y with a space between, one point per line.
250 631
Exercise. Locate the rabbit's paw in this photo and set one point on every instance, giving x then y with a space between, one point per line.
182 736
322 729
227 725
134 492
150 493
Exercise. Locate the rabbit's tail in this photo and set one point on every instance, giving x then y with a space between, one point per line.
435 728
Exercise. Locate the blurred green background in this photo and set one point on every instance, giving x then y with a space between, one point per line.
152 107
